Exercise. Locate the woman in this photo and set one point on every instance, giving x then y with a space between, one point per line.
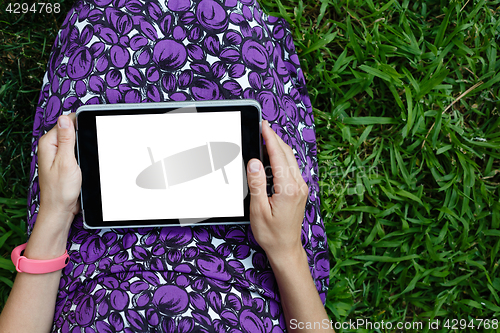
216 278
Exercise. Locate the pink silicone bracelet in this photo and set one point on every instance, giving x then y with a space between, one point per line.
25 265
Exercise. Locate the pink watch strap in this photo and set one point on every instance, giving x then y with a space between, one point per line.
25 265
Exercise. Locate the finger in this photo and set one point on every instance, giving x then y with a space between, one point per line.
295 170
292 172
72 116
47 148
277 157
293 166
48 144
65 138
259 203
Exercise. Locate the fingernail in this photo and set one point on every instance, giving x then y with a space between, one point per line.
63 122
254 166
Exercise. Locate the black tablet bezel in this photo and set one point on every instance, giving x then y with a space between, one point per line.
87 155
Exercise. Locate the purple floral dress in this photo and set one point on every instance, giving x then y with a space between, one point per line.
177 279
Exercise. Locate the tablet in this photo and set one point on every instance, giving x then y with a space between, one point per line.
166 164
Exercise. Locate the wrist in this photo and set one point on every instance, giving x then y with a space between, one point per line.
287 260
49 237
46 246
54 214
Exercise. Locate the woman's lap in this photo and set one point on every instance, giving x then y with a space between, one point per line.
125 51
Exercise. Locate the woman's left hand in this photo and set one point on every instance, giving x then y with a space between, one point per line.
31 303
60 176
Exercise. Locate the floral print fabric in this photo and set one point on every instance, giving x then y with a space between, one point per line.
177 279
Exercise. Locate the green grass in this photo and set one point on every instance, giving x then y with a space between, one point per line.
406 98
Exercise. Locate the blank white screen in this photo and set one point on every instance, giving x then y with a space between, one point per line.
123 142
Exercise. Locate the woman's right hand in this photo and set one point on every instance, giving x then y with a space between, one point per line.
277 226
277 221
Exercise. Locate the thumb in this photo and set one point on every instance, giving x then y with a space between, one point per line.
259 203
65 138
